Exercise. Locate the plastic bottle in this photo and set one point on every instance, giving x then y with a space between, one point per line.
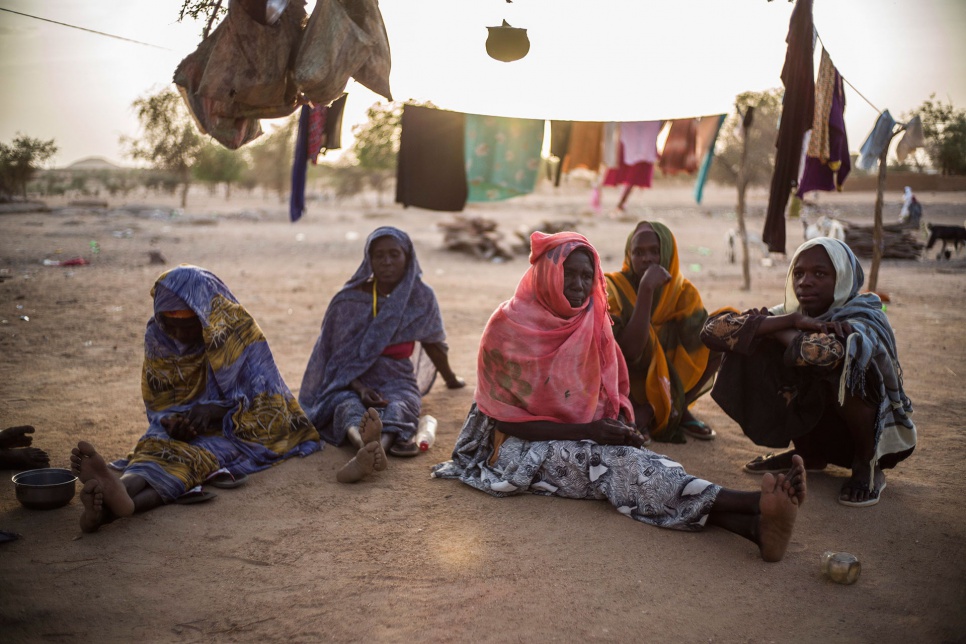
841 567
426 432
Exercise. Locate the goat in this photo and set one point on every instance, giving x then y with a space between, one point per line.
955 235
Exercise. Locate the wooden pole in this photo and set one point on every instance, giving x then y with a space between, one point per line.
740 208
878 245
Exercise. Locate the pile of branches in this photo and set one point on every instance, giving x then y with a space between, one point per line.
477 236
545 226
898 241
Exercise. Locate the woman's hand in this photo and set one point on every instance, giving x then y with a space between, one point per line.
610 431
370 397
178 428
202 416
654 277
839 329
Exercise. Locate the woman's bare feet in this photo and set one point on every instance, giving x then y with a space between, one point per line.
856 493
93 500
370 429
781 497
361 464
88 465
23 458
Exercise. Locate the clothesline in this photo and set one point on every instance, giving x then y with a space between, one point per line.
878 111
92 31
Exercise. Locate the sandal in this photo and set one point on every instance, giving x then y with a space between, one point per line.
405 448
694 428
776 463
853 484
195 495
226 480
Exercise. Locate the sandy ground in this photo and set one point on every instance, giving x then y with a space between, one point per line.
294 556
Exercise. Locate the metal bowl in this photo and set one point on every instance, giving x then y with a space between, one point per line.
45 489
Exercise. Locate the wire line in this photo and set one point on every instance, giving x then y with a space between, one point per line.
99 33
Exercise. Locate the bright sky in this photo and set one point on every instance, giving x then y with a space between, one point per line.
616 60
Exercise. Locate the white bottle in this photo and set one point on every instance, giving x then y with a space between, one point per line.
426 432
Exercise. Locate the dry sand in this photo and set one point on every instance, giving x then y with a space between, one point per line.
294 556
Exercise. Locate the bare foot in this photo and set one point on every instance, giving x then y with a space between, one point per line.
856 489
360 466
23 458
793 483
93 499
91 465
16 437
779 507
371 429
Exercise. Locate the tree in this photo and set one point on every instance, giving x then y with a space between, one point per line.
217 164
272 158
377 144
944 127
20 160
760 139
169 140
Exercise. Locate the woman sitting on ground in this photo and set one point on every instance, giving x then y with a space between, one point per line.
658 317
820 371
364 356
552 415
218 409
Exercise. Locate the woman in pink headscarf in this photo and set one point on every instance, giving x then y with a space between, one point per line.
552 415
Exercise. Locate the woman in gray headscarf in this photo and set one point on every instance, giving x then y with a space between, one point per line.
820 371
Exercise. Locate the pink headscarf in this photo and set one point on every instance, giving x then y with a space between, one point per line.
542 359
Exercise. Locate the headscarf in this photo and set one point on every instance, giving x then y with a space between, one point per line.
871 370
542 359
232 365
409 314
678 357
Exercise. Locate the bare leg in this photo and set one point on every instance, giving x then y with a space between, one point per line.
145 497
360 466
624 196
93 500
766 517
370 428
90 465
355 436
860 418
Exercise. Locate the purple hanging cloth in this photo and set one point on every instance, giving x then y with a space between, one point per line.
296 204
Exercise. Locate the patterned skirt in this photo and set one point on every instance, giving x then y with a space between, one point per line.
645 486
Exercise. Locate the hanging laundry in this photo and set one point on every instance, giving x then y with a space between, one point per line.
431 165
876 142
334 47
797 115
640 140
586 139
559 143
828 174
296 202
679 153
818 144
249 67
708 129
374 73
316 136
911 139
333 123
502 156
611 143
639 175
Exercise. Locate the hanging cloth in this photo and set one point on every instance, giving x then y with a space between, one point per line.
584 150
559 143
829 174
797 115
431 170
680 148
911 139
296 202
502 156
611 150
818 144
876 142
640 140
708 129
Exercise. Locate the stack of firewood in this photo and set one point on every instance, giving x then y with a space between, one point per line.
545 226
898 242
477 236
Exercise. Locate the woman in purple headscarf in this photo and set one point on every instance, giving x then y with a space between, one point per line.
370 354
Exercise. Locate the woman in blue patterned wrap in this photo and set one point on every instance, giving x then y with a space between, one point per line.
216 404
